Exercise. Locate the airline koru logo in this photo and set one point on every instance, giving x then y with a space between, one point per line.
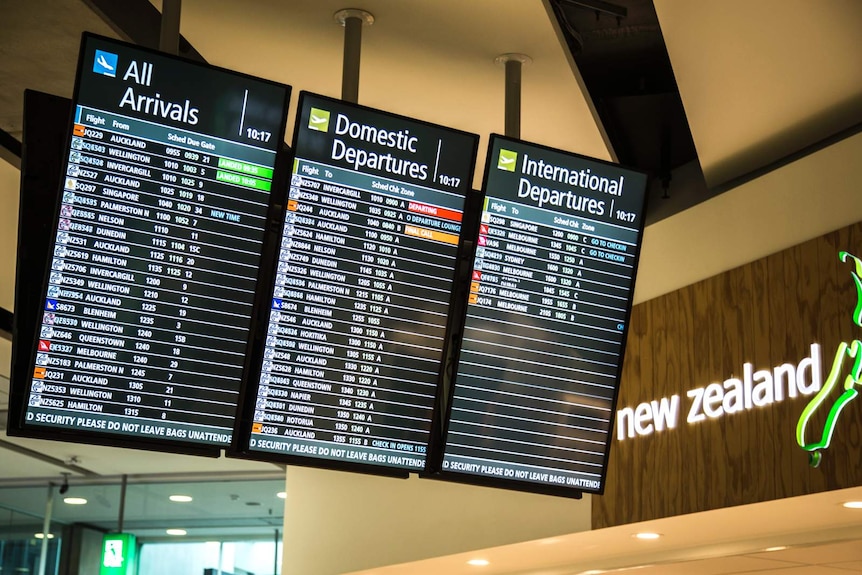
318 120
845 377
507 160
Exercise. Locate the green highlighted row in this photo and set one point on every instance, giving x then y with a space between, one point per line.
245 181
245 168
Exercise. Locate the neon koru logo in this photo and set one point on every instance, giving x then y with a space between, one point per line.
847 353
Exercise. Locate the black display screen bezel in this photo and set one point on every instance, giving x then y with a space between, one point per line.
36 265
435 468
240 447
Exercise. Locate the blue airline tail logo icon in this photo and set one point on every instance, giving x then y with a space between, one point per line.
105 63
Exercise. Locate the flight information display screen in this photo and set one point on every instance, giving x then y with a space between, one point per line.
361 292
549 300
155 255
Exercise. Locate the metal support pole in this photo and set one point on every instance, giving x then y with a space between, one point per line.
512 115
275 563
352 19
513 99
46 529
169 41
352 53
122 513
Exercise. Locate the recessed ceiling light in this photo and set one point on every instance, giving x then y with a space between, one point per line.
549 541
776 548
42 535
852 504
647 535
281 494
75 501
175 531
478 562
181 498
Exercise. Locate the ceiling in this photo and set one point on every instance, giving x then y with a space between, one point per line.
821 538
757 81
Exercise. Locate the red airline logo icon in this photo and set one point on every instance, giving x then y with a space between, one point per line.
44 345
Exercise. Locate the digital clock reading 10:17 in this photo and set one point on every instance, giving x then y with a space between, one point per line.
259 135
626 216
450 181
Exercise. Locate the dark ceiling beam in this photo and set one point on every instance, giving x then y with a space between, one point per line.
10 149
139 22
599 6
70 467
5 324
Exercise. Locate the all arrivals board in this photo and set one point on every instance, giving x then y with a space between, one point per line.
549 300
153 266
361 293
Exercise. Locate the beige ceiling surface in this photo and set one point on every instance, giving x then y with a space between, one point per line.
9 177
430 60
35 41
821 536
761 79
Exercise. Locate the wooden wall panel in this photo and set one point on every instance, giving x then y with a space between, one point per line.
767 313
756 349
777 334
680 374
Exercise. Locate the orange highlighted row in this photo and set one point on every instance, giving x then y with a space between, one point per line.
434 211
431 235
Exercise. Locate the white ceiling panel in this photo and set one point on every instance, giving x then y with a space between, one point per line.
842 552
17 466
115 461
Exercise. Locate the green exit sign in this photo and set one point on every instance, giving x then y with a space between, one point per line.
118 554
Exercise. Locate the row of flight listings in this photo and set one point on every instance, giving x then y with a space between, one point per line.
350 303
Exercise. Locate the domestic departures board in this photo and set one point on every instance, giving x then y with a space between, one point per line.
362 288
153 270
549 301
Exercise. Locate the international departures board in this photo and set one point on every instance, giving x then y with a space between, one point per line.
550 297
157 248
362 288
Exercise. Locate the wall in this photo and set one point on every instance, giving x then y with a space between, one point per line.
81 551
767 313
